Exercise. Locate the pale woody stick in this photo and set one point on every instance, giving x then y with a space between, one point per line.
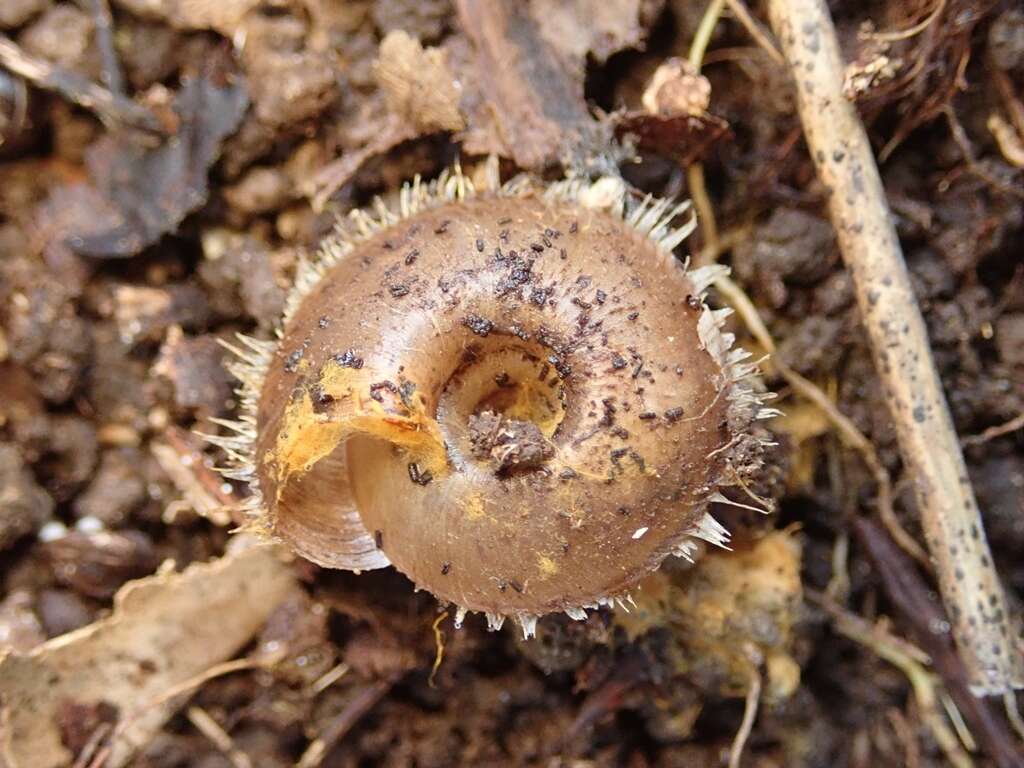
899 341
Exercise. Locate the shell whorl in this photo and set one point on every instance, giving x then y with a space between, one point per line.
518 397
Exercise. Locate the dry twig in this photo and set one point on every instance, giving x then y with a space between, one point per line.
899 342
363 702
329 678
974 167
910 661
695 172
916 29
913 600
905 733
111 73
760 36
212 730
1013 713
98 737
110 106
1017 422
714 246
1006 91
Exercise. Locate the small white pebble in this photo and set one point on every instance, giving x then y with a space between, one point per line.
52 531
89 524
640 532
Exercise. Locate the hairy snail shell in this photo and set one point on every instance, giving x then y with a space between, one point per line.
517 397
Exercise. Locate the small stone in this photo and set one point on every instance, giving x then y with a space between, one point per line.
96 565
24 506
117 488
20 630
15 13
259 191
62 611
63 35
241 273
194 365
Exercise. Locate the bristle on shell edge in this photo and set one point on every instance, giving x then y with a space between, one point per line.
648 216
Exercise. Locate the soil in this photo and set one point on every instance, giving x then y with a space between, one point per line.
127 256
507 443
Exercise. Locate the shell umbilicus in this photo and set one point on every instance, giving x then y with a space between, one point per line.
517 397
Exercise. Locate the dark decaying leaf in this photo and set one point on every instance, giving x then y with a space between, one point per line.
683 138
148 191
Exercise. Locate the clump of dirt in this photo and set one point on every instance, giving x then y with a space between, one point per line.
508 444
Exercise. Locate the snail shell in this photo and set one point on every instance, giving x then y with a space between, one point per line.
517 397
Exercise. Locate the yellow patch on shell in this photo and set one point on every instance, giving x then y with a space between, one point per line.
535 404
475 507
308 435
547 566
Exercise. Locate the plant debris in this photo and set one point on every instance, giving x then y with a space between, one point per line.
142 193
129 662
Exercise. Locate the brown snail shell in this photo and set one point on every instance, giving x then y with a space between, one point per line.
517 397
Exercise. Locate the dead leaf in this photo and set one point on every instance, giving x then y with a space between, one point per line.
675 122
576 28
164 630
528 100
684 138
338 173
145 192
418 84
